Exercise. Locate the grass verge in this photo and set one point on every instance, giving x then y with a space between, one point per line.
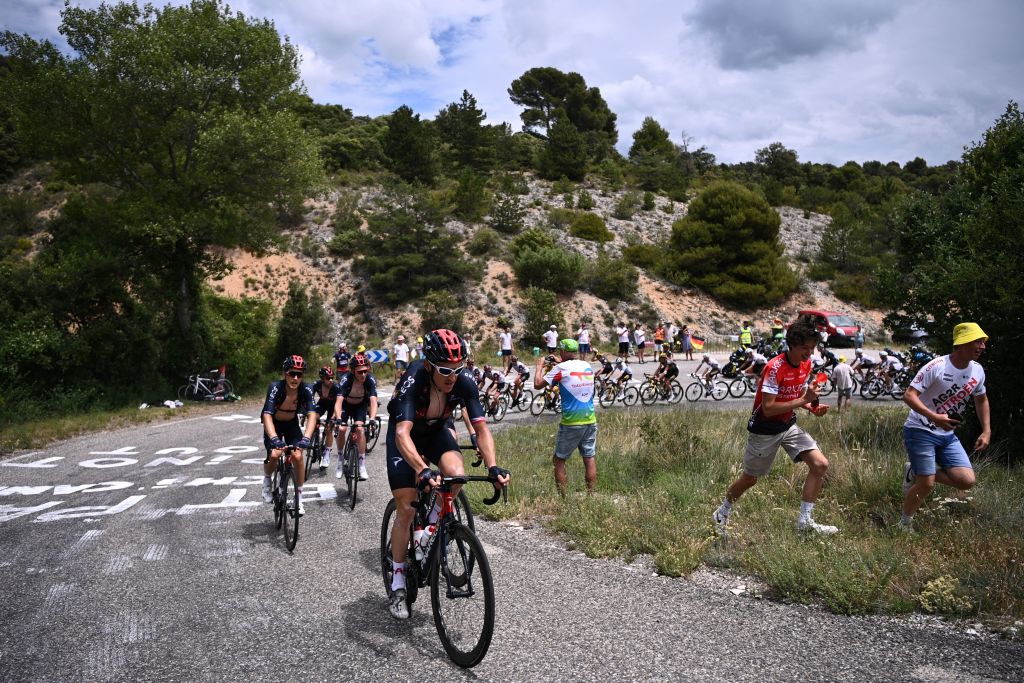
661 476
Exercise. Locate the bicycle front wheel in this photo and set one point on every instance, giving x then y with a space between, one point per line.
290 491
462 597
537 404
352 473
608 396
630 396
371 441
693 391
525 400
648 393
719 390
278 500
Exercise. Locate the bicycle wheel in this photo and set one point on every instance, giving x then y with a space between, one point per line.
411 574
346 467
371 441
630 396
190 393
737 388
462 596
278 502
352 473
181 392
525 400
694 390
719 390
462 510
501 409
828 388
315 449
290 491
537 404
677 393
872 389
648 394
608 396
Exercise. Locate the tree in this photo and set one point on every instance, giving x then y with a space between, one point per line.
958 260
409 147
728 244
440 309
470 145
303 323
654 157
566 152
185 112
545 90
507 214
541 309
779 163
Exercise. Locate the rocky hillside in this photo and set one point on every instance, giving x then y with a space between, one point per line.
355 315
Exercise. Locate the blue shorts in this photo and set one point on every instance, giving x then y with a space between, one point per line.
584 348
572 437
926 450
401 365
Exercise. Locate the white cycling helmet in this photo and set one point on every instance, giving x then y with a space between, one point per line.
707 356
859 353
883 353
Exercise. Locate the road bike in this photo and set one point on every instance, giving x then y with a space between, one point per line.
348 461
699 388
666 390
285 493
613 391
739 387
496 405
317 444
522 401
548 399
206 388
452 562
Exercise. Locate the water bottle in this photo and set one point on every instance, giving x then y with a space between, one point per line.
425 539
417 540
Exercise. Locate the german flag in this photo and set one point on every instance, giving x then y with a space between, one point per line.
697 342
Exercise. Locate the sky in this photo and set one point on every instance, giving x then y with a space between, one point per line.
835 80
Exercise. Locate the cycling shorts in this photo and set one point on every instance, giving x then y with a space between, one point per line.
325 407
431 446
356 411
289 430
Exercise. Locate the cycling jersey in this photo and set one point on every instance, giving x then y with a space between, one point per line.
412 400
946 389
277 392
342 358
786 382
576 381
607 368
325 404
349 388
521 370
497 379
671 370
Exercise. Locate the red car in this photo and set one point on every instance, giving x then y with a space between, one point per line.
842 329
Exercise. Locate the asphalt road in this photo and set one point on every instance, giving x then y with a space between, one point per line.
145 555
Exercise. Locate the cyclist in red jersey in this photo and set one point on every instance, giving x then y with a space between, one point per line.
781 390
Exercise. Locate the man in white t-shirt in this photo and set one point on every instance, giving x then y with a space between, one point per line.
842 380
938 396
401 358
583 338
623 333
551 339
505 342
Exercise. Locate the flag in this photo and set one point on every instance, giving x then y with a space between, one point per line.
697 342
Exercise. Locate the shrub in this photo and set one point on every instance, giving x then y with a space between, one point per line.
344 243
484 241
440 309
550 268
507 214
642 255
303 323
559 219
470 196
589 226
585 201
648 204
627 205
540 306
567 199
514 183
239 336
534 238
612 279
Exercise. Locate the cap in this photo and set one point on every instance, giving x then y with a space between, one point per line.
401 337
552 328
842 359
569 345
965 333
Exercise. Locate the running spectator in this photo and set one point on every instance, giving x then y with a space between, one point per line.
578 428
781 390
938 397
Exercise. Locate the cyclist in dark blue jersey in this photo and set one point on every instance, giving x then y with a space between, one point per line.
418 437
356 399
325 391
288 398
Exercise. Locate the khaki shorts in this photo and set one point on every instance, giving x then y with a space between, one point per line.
762 449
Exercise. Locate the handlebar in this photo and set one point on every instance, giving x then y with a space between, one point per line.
446 483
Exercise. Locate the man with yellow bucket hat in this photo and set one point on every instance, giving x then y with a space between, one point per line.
937 397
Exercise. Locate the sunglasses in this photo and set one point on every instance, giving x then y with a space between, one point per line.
448 372
362 372
295 375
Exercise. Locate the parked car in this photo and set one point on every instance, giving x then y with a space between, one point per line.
842 329
910 333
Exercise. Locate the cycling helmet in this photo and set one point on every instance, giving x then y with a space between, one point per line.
663 356
360 361
444 346
569 345
487 368
707 356
294 363
470 363
326 372
883 353
858 353
515 359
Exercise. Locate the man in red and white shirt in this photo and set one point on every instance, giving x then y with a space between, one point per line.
938 396
781 390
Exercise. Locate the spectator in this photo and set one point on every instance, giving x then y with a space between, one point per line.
641 340
505 342
401 357
551 339
746 335
659 338
673 332
842 379
687 341
623 333
583 338
578 428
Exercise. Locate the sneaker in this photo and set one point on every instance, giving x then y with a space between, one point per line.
720 518
267 497
338 474
302 509
398 608
908 477
810 525
363 476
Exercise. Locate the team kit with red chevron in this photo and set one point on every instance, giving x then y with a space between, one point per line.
428 536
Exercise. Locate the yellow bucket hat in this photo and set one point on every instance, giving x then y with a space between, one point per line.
965 333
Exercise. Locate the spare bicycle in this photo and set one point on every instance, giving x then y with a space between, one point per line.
209 387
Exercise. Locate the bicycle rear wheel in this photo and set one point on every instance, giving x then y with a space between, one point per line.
525 400
290 490
694 390
648 394
737 388
677 392
719 390
462 596
630 396
501 409
386 568
352 472
314 452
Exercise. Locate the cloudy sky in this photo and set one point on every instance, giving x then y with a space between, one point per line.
833 79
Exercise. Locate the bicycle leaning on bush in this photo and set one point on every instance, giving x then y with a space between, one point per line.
209 387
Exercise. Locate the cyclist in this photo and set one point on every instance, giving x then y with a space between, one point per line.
473 371
713 369
482 377
493 392
862 364
522 374
625 373
326 393
888 368
754 363
666 371
605 373
357 399
782 389
287 398
418 437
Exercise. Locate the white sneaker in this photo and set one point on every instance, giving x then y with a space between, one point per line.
363 476
810 525
302 509
398 608
267 497
908 477
720 518
338 474
325 461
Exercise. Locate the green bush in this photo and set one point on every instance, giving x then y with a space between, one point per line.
648 204
239 337
471 196
303 323
590 226
627 205
484 241
534 238
541 309
550 268
611 279
507 214
345 243
585 201
560 219
513 183
441 309
643 255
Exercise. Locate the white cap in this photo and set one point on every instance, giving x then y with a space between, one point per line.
552 328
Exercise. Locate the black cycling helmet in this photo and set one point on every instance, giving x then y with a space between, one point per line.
326 372
444 346
294 363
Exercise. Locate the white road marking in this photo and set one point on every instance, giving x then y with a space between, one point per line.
155 553
45 462
87 537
